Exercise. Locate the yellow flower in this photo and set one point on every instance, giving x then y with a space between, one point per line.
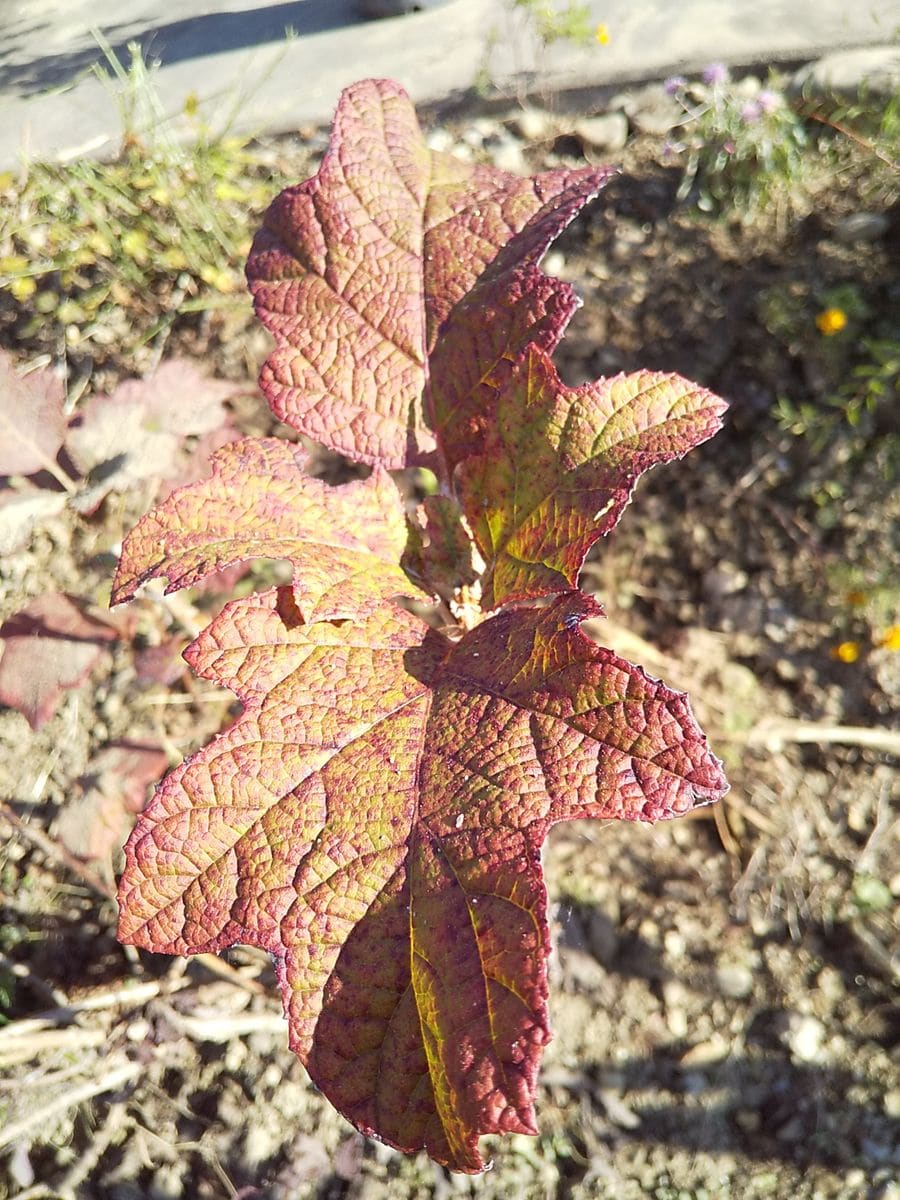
602 35
831 321
23 288
891 639
846 652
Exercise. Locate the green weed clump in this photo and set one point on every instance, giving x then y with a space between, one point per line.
743 145
100 249
550 24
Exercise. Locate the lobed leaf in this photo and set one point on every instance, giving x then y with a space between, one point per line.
374 820
556 467
357 270
135 433
45 649
32 424
345 542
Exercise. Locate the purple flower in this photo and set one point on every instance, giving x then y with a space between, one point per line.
674 84
715 73
751 112
768 100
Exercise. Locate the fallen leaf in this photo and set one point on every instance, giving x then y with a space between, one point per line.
32 424
47 648
136 433
113 788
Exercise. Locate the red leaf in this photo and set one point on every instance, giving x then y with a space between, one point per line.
556 467
356 271
259 503
32 425
374 820
114 786
136 432
47 648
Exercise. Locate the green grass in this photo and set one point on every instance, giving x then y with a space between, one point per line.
111 252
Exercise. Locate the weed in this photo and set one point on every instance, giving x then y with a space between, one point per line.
100 250
744 145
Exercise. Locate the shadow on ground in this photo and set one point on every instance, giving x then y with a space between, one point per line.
171 42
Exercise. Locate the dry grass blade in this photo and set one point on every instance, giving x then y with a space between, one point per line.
39 1119
774 735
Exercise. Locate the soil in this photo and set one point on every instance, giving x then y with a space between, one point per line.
722 986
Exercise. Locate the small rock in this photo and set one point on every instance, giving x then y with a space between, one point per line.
617 1110
602 935
706 1052
582 969
553 264
892 1103
792 1130
845 73
606 132
507 155
830 984
861 227
531 124
651 109
439 139
674 944
734 980
803 1036
748 1119
675 998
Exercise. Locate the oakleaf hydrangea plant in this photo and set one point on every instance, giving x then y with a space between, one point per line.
374 818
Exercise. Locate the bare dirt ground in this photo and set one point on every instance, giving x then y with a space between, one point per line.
722 990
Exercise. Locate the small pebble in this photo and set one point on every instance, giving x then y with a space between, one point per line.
734 980
532 124
804 1036
706 1052
617 1110
892 1103
553 264
507 156
606 132
861 227
439 139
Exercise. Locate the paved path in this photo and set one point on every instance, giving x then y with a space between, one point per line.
233 56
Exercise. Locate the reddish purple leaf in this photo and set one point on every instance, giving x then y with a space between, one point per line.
32 424
136 433
47 648
357 269
556 467
345 541
375 819
113 787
